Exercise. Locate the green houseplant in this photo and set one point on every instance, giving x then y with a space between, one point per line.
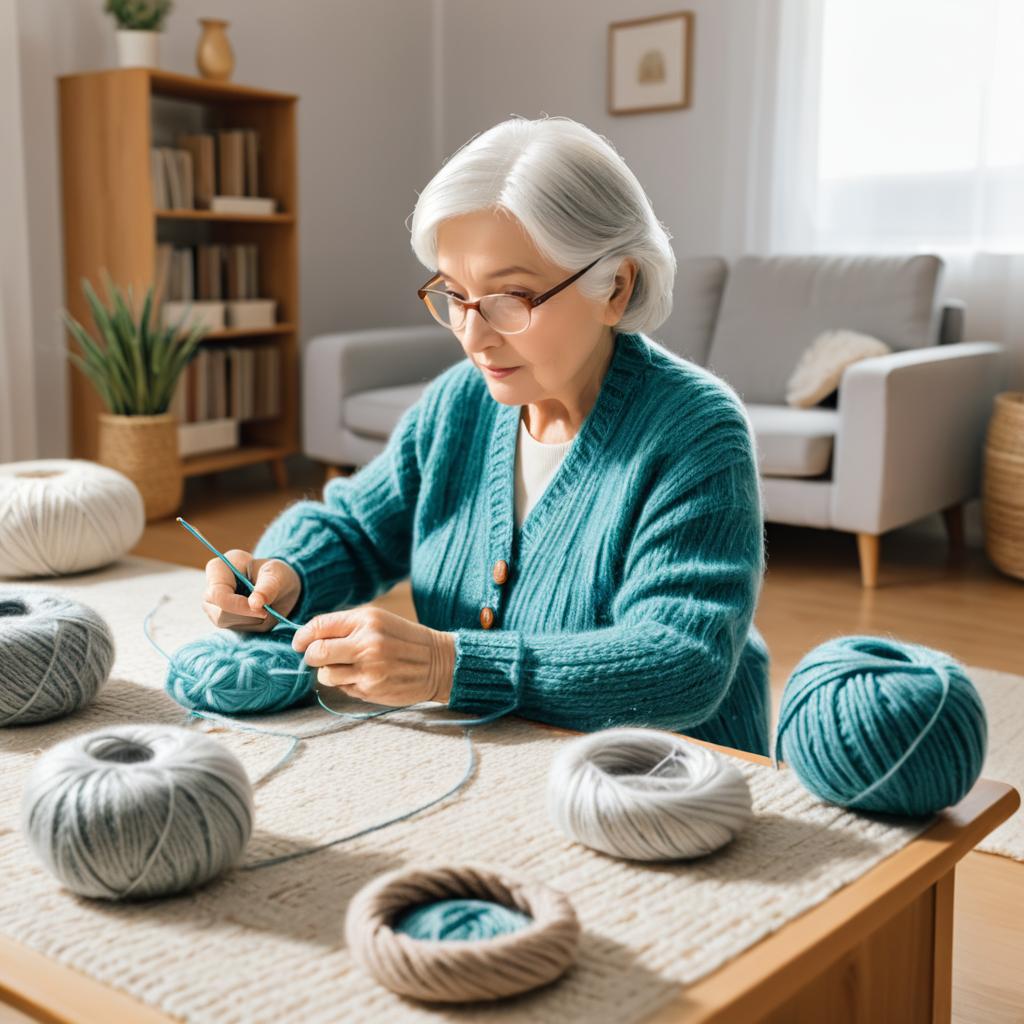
139 23
135 368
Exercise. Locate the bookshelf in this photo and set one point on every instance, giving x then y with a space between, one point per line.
109 120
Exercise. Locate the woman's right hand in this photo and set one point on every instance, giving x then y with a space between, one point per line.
276 583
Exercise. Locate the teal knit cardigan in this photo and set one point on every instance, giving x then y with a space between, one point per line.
631 586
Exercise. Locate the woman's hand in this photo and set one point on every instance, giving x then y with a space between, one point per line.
276 583
377 656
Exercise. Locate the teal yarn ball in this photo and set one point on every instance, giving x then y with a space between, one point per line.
876 724
466 920
234 673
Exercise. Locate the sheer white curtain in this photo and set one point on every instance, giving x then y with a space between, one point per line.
895 127
17 376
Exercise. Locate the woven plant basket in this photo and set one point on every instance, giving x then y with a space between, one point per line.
145 449
1003 485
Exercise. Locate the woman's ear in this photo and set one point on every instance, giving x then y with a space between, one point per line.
625 282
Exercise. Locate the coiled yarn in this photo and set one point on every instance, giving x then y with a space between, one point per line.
135 811
235 673
484 966
59 516
877 724
55 654
645 794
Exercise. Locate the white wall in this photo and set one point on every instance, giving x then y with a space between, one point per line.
389 89
367 141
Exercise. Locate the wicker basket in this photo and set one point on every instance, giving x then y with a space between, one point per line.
145 449
1003 485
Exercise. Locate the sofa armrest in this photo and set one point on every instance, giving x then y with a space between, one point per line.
911 431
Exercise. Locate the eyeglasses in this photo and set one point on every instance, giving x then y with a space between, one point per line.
507 314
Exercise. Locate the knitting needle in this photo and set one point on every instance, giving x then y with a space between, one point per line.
244 579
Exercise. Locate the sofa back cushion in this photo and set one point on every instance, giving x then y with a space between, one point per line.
696 298
775 306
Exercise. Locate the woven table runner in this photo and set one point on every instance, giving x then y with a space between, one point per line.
268 945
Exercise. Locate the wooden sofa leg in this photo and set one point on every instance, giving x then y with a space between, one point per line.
954 519
869 550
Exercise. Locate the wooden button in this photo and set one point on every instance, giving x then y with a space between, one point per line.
487 617
500 571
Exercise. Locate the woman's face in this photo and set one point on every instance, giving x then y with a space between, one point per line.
568 334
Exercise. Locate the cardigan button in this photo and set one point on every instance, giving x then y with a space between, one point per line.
500 571
486 617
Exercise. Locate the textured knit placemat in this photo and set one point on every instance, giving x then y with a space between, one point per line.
1003 696
268 945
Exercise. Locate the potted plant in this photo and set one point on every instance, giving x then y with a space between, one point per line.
139 23
135 368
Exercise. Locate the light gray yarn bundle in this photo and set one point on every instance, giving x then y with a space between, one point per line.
55 653
645 794
135 811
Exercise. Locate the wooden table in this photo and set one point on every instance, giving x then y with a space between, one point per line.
878 951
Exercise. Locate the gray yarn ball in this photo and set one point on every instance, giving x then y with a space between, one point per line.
55 653
135 811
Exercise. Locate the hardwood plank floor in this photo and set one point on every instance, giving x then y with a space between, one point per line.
812 591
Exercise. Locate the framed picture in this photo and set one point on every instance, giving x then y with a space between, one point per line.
650 63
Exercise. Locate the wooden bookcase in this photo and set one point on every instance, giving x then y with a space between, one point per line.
108 124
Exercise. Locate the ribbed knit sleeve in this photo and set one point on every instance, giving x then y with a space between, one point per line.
680 618
357 542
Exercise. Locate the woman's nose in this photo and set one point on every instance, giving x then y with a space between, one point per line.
477 333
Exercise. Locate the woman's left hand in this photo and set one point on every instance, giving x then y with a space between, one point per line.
377 656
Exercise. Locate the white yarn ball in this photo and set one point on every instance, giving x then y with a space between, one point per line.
134 811
645 794
65 515
55 653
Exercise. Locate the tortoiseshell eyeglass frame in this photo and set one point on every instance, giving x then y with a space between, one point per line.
531 304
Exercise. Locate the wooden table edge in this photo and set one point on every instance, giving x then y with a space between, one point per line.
760 977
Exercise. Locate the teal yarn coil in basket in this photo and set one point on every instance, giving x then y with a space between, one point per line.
876 724
466 920
240 673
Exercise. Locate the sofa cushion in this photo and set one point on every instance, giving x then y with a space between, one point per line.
775 306
793 442
376 412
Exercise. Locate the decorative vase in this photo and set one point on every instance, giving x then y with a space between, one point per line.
145 449
214 56
1002 493
138 48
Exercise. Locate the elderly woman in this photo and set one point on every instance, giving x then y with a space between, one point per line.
579 509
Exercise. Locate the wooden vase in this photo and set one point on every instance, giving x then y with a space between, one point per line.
1002 493
145 449
214 56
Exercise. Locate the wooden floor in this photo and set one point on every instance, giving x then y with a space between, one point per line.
811 592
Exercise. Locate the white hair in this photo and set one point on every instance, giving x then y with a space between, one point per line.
574 196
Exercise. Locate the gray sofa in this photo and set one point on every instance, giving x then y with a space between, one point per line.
903 440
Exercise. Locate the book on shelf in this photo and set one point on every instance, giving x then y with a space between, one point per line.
237 381
215 171
252 205
219 281
207 436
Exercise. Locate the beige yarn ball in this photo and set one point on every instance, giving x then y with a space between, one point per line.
458 971
61 516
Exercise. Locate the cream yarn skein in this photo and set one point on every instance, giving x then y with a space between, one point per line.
61 516
645 794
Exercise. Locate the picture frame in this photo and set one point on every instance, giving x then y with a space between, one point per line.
650 63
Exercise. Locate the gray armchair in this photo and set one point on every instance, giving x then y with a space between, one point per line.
903 441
